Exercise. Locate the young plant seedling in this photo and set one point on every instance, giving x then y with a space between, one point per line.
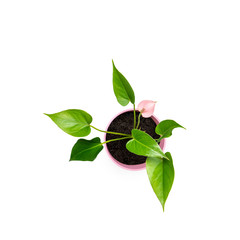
159 165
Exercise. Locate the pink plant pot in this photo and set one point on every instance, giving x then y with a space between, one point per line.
132 167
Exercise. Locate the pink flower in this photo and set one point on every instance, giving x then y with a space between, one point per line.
146 107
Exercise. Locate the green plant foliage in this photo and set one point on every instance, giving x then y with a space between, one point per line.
165 128
122 89
73 121
86 150
161 175
159 166
143 144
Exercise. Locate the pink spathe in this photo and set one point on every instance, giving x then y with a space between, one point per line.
146 107
132 167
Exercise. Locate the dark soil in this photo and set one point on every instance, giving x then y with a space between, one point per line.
124 124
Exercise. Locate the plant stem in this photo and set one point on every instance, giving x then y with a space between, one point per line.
139 116
158 140
134 112
123 134
115 139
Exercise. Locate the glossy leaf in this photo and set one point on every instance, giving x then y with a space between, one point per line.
165 128
122 89
86 150
146 107
73 121
161 175
143 144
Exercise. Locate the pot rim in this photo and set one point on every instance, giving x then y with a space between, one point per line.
125 166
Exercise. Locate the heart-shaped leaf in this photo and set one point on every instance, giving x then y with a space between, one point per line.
165 128
122 89
161 175
73 121
143 144
86 150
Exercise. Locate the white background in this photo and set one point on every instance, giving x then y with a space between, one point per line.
56 55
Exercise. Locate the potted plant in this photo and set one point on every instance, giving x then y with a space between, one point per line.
134 139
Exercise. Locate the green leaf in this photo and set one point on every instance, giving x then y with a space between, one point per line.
161 175
144 145
73 121
165 128
86 150
122 89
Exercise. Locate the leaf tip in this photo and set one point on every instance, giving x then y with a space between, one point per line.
163 207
